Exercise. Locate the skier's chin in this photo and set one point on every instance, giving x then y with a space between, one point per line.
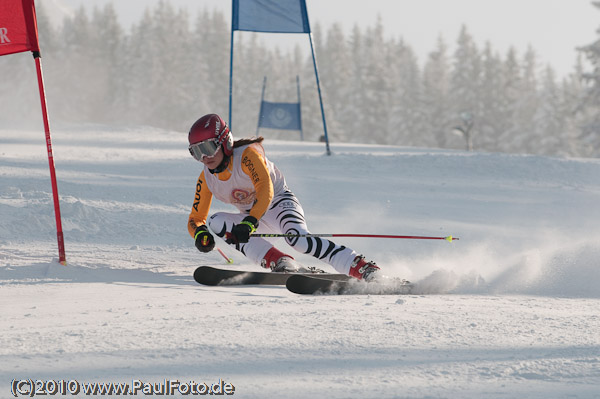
211 163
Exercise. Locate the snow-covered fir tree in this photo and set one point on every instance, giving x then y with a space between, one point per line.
590 104
436 102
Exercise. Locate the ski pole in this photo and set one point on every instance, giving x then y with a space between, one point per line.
447 238
228 259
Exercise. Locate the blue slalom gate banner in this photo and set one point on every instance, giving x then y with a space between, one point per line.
281 116
275 16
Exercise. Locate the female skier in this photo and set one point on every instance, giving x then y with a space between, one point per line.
240 174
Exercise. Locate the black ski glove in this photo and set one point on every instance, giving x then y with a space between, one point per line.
205 242
240 233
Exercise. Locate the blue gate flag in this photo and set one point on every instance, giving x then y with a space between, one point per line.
275 16
281 116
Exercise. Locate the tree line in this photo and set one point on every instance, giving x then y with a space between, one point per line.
171 67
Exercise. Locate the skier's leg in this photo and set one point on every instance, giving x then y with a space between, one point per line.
288 213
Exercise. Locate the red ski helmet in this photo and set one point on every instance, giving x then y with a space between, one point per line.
213 128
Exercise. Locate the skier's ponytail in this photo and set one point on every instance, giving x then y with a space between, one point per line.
251 140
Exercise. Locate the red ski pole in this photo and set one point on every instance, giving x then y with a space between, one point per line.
228 259
447 238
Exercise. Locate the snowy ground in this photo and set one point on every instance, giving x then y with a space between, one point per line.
511 310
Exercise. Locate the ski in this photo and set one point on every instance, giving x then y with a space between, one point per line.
318 284
208 275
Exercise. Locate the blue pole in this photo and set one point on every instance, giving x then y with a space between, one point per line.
312 49
299 108
231 69
262 101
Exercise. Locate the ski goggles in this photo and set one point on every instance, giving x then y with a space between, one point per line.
206 148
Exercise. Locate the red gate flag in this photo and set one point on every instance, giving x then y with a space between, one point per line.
18 33
18 27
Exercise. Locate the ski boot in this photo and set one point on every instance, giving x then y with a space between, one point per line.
363 270
279 262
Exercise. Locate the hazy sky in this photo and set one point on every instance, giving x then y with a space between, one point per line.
554 28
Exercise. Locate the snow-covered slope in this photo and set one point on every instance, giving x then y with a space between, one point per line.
511 309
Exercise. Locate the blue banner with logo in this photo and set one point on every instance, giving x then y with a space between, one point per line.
281 116
275 16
